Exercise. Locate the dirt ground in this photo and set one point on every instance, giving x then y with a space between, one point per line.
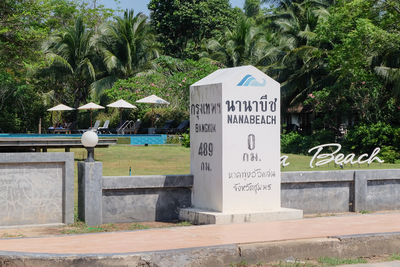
79 228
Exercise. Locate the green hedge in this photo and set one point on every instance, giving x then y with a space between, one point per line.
359 140
365 138
297 143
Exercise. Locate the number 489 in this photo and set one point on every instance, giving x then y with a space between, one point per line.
206 149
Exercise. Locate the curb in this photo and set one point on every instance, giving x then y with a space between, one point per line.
349 246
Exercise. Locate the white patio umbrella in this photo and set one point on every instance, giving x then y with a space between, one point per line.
91 106
121 104
153 99
59 107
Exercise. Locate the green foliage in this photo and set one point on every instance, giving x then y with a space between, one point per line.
182 25
389 154
294 264
365 212
20 104
161 115
243 45
355 41
366 98
126 47
365 138
137 226
335 261
185 141
252 8
242 263
184 223
173 140
297 143
170 81
93 15
70 60
341 58
295 60
21 31
395 257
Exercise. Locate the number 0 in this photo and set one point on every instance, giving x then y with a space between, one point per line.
251 141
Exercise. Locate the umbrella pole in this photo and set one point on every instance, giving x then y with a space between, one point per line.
90 118
153 116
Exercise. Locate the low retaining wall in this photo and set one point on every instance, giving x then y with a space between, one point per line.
145 198
318 192
118 199
341 191
36 188
151 198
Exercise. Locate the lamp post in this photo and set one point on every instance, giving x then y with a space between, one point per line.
90 175
89 140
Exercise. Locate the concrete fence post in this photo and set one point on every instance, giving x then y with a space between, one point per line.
360 191
90 176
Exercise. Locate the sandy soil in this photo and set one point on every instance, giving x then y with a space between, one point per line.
77 229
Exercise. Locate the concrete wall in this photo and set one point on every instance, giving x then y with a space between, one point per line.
318 191
341 191
150 198
378 190
145 198
36 188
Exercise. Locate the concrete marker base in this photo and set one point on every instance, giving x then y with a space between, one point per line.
198 216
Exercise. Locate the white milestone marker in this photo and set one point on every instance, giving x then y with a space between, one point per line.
235 141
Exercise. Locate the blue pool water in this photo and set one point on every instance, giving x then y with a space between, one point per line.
150 139
136 139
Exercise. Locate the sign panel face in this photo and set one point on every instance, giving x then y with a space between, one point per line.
206 146
244 147
251 143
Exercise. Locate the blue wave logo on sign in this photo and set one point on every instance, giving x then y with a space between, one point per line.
249 80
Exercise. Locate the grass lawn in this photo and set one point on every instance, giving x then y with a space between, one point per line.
143 160
175 159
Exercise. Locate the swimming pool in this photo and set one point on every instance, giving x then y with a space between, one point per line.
135 139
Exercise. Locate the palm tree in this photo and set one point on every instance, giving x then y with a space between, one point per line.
301 67
387 66
71 54
241 46
127 47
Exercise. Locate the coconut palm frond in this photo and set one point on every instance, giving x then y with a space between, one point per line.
60 61
100 85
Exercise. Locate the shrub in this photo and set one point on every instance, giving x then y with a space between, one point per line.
290 142
296 143
185 140
388 154
364 138
161 115
173 139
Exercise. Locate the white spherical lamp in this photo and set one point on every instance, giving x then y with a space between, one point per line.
89 140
